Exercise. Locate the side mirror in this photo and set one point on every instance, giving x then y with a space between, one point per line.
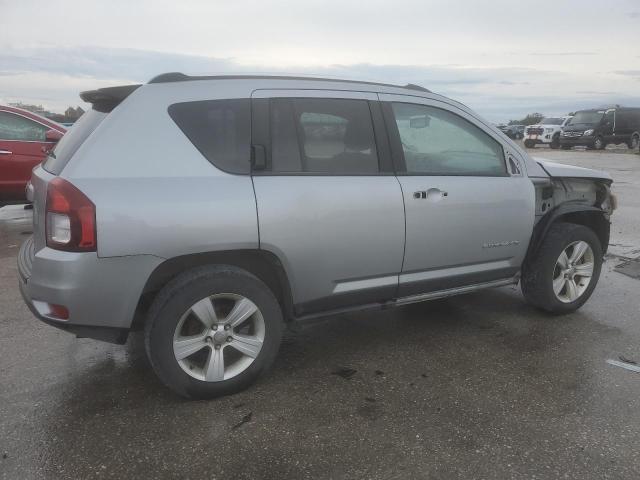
419 121
52 135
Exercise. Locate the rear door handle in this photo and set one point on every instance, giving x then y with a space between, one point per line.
5 152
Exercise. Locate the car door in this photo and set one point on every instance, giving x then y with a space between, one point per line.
608 127
329 206
21 142
469 206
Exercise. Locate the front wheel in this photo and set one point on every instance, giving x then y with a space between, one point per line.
634 142
555 142
529 143
212 331
563 273
598 143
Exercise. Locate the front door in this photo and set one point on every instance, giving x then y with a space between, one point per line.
329 206
469 206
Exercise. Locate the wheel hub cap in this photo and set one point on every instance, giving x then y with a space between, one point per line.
219 337
573 271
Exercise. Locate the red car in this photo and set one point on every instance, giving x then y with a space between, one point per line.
25 139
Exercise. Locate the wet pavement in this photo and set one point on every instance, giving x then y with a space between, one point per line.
478 386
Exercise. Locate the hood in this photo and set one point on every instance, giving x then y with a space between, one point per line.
579 127
560 170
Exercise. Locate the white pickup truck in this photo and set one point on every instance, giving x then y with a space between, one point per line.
547 132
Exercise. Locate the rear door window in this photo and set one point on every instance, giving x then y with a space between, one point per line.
18 128
219 129
322 135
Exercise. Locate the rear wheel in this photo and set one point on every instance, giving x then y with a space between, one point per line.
529 143
562 275
634 142
555 141
212 331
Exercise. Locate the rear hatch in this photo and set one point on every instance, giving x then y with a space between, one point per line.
103 101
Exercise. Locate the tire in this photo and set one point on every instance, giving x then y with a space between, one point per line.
598 143
226 287
634 142
555 142
529 144
540 271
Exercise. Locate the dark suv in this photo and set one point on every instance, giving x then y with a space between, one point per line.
597 128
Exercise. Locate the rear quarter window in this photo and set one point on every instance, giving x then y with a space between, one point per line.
219 129
71 141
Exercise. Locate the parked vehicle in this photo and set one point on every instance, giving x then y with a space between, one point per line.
24 140
597 128
213 211
547 132
515 132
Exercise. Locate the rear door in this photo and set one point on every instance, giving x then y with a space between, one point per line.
21 142
329 205
469 206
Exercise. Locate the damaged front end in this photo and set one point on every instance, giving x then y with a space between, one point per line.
575 195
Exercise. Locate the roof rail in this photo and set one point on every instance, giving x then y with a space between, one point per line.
181 77
412 86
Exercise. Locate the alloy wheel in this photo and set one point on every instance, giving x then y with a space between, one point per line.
219 337
573 271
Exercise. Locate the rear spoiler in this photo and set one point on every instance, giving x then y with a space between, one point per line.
106 99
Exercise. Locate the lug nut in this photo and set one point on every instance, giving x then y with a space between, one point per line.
217 347
215 327
229 339
226 327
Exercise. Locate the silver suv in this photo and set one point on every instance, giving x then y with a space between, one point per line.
212 211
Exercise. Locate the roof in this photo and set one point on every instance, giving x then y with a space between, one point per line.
181 77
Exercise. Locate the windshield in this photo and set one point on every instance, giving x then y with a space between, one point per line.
72 140
587 118
551 121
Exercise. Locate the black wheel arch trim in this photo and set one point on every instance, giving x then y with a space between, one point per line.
263 264
589 216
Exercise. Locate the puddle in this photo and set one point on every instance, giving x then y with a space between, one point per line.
630 268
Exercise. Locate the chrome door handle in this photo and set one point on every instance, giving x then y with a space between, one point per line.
432 193
5 152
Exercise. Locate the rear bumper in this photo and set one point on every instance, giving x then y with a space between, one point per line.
100 294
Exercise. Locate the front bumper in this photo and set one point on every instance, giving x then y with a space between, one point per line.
100 294
581 141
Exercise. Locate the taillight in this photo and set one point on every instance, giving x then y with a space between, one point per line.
70 218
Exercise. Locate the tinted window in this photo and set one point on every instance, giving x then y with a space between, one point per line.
16 127
438 142
220 129
318 135
72 140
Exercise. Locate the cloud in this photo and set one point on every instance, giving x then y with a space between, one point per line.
54 76
635 74
561 54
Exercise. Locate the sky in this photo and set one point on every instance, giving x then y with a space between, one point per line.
502 58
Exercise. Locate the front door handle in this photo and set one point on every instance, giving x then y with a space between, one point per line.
431 194
5 152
